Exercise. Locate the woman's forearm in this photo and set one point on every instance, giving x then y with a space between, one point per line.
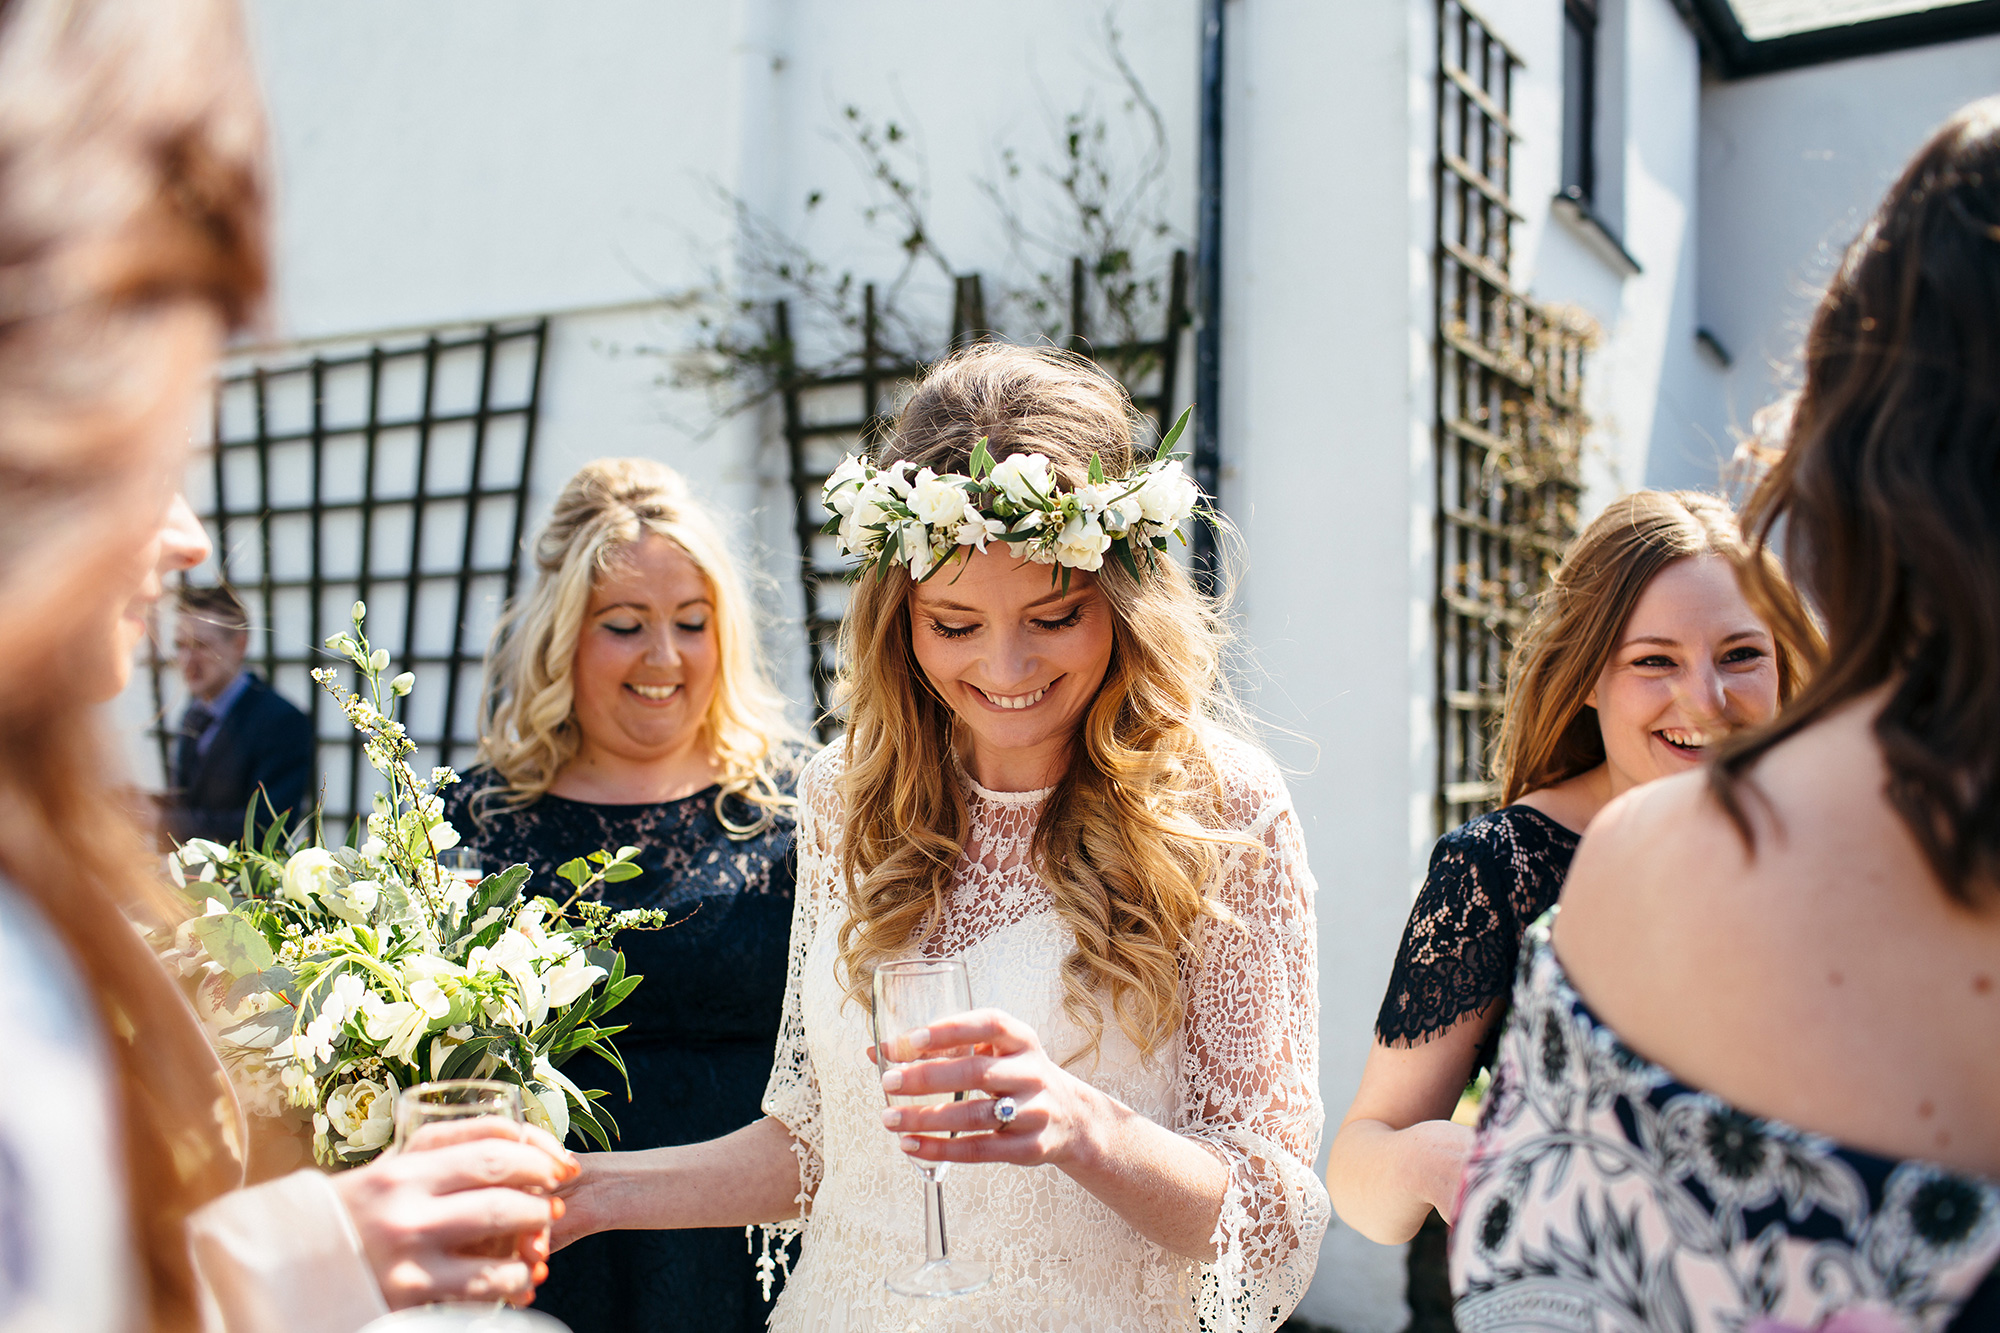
1168 1187
741 1179
1384 1181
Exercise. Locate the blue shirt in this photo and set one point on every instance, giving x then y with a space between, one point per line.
220 709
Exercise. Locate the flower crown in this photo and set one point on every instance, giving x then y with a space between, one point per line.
887 516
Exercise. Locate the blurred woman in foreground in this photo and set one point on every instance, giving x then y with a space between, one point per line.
1752 1077
132 236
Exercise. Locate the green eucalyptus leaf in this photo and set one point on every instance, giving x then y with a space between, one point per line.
234 943
1172 437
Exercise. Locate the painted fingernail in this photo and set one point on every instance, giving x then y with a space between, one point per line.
911 1143
541 1274
892 1119
918 1038
892 1079
557 1207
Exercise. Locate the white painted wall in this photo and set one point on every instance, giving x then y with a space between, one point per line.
1791 165
1326 405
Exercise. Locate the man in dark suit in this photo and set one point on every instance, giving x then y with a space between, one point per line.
238 737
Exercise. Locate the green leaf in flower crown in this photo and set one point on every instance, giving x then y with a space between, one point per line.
1123 550
982 460
236 945
1096 470
1172 437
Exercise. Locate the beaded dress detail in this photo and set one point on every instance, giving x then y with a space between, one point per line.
1240 1078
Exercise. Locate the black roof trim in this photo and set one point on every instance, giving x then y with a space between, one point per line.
1735 56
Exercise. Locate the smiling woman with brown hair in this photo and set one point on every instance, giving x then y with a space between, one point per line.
1752 1076
1645 653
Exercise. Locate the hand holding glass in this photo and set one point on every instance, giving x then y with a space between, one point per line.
453 1100
911 994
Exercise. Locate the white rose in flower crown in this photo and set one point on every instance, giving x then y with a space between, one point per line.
1082 543
1024 479
841 488
364 1112
938 502
1168 496
865 513
1116 510
309 874
976 531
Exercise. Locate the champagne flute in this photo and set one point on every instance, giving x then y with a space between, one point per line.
423 1104
453 1099
911 994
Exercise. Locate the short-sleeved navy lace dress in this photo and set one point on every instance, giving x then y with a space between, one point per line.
702 1026
1490 878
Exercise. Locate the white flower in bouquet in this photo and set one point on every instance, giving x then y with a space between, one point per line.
308 874
364 1112
331 977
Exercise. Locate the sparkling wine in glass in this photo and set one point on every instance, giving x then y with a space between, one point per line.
453 1099
911 994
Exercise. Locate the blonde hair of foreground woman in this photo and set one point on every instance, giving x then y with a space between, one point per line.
1548 734
132 217
529 731
1127 843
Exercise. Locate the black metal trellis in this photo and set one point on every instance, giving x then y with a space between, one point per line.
827 415
398 476
1509 419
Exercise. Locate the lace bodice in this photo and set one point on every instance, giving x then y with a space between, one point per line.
1241 1079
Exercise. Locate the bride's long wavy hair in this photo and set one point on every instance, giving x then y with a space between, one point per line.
1129 842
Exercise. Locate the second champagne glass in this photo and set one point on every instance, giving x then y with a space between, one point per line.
910 994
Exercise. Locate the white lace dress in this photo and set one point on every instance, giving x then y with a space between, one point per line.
1241 1079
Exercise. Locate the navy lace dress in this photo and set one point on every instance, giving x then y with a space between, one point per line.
1489 879
701 1030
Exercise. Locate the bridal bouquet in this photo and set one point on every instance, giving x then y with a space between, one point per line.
332 978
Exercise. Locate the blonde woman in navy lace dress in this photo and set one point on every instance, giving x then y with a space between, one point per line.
627 706
1639 660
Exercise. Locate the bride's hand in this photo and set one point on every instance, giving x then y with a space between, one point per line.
1055 1113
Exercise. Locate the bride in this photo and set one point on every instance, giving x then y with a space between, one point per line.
1035 779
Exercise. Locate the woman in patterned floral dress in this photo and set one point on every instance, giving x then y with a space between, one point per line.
628 706
1037 780
1752 1076
1642 656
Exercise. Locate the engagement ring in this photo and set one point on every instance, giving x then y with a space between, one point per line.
1004 1111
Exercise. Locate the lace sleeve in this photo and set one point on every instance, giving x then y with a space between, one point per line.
1250 1079
1488 879
792 1095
